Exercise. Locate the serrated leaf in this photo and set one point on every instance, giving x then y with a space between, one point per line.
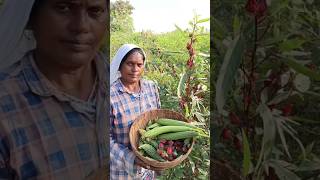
228 70
246 154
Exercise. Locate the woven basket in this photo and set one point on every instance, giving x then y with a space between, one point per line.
140 123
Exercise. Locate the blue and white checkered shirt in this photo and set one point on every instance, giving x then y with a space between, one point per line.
47 134
125 107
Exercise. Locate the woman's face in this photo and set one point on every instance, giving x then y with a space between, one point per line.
132 68
69 32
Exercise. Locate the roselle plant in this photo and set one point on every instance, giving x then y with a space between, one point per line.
268 69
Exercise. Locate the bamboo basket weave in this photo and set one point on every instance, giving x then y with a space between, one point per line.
140 123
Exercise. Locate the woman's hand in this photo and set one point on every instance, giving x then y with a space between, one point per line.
140 163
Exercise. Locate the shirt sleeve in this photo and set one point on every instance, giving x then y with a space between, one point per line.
121 155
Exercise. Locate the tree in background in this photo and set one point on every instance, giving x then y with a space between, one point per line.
121 20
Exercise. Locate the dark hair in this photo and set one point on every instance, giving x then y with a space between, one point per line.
131 52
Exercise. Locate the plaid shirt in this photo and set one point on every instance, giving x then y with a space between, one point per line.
125 107
46 134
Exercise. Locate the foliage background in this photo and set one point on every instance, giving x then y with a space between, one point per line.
166 63
288 43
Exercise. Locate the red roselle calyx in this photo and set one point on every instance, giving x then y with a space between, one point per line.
256 7
287 109
226 134
190 62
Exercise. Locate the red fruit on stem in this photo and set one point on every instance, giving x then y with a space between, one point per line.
190 63
226 134
287 109
256 7
247 100
188 45
234 119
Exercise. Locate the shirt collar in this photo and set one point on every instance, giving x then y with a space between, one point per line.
122 88
40 85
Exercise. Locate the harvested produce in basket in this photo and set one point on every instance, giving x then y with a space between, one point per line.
167 139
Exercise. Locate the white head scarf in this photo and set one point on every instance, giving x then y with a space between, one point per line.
14 16
116 61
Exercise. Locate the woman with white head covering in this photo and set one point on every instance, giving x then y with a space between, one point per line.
130 95
53 89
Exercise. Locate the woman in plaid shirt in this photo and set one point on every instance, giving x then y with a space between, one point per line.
130 95
53 89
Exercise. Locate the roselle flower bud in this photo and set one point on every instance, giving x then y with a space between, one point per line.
256 7
287 109
188 45
226 134
190 63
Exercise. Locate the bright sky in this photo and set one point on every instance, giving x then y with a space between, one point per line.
161 15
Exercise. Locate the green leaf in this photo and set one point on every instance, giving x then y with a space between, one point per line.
304 120
282 136
228 70
220 29
287 128
282 172
181 86
302 69
315 55
236 25
291 44
203 20
246 154
308 165
269 132
178 28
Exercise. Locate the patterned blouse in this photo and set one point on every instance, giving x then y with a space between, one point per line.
125 107
47 134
